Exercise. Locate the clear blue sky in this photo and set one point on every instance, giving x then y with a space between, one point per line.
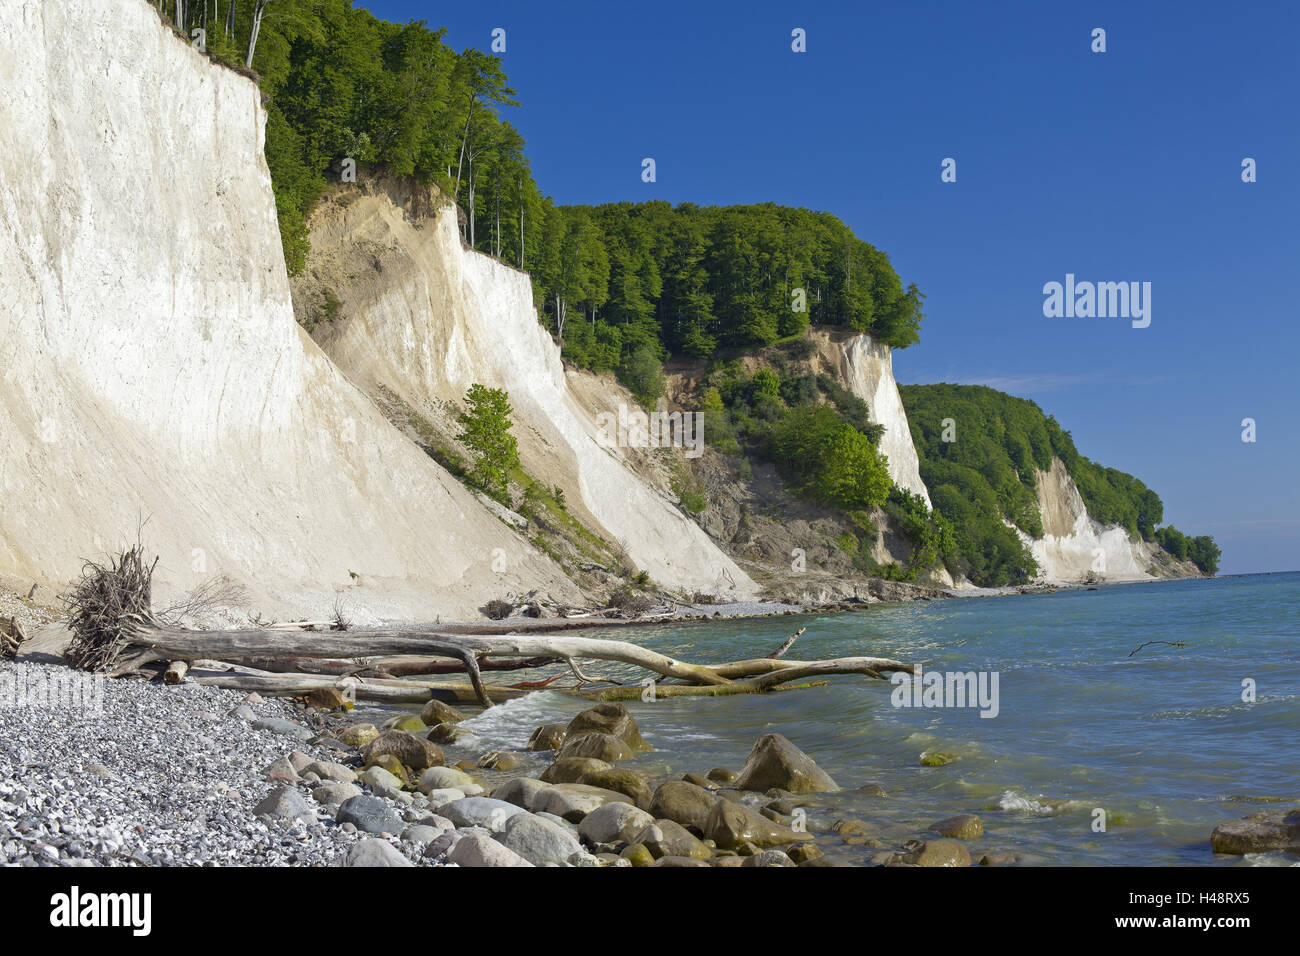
1119 166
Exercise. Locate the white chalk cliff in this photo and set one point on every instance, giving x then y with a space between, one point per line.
430 317
152 366
867 368
1075 547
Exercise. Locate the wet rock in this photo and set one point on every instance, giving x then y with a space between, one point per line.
964 826
498 760
621 780
1260 833
408 722
547 737
722 775
414 752
598 746
730 825
667 838
443 733
638 855
938 853
872 790
803 853
609 718
684 803
573 769
769 858
436 712
775 762
680 861
999 859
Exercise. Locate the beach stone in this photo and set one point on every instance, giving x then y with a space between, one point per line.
700 781
722 775
573 769
408 722
538 840
621 780
414 752
605 747
300 761
480 812
369 815
287 728
378 777
335 772
498 760
243 712
803 853
769 858
374 853
573 801
939 853
775 762
999 859
445 795
938 759
479 849
614 823
669 838
547 737
420 834
521 791
326 698
638 855
1259 833
680 861
850 827
443 733
357 735
682 802
964 826
441 778
872 790
730 825
441 845
612 719
282 771
392 765
436 712
334 794
285 805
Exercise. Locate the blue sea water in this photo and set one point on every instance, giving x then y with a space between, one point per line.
1161 740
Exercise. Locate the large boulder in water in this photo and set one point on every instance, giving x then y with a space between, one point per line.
776 763
1259 833
682 803
609 718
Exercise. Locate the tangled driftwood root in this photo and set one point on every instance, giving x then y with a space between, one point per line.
109 605
12 636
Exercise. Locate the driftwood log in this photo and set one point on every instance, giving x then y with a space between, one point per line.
470 652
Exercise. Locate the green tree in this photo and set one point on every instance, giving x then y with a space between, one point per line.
486 432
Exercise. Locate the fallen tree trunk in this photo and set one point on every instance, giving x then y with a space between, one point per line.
388 666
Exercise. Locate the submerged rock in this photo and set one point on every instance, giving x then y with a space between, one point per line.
1259 833
964 826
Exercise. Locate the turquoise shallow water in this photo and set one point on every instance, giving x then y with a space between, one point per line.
1162 741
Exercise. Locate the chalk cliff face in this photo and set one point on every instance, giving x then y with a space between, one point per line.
424 318
153 369
868 371
1075 547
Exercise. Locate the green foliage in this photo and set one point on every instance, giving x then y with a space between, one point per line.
486 433
691 280
828 459
643 374
932 535
988 473
1201 550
